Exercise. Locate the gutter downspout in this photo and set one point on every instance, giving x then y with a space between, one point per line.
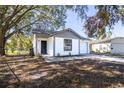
79 46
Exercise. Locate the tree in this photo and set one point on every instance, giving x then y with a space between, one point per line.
19 42
22 19
106 16
11 43
15 19
18 18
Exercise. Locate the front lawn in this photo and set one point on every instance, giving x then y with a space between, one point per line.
34 72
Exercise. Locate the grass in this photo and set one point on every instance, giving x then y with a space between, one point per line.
34 72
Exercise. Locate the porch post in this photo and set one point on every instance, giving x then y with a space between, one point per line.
53 45
36 44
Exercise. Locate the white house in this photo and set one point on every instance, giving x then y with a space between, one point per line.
117 45
114 46
101 46
59 43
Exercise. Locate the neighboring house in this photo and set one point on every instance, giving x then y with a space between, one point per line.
117 45
101 46
114 46
59 43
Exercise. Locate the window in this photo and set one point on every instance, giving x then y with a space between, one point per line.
67 45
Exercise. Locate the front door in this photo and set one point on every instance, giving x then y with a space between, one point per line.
44 47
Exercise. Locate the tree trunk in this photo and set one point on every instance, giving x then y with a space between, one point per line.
2 44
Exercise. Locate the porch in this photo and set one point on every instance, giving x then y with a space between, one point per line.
43 46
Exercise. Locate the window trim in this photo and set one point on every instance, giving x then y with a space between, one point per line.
67 46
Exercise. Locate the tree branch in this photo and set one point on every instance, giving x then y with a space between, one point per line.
15 12
19 18
8 36
8 20
2 16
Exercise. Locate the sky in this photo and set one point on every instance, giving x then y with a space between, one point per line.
75 23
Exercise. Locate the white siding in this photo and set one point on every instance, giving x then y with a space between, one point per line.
50 46
39 47
117 48
88 47
35 44
84 47
101 48
59 47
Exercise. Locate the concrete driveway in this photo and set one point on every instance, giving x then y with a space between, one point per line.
91 56
107 58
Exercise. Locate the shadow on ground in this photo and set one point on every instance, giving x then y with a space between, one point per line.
34 72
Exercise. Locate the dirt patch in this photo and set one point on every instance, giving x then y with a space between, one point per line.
34 72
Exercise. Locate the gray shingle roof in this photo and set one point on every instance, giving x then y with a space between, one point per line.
105 40
52 33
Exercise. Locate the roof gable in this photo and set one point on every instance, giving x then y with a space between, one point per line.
67 33
116 39
63 33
